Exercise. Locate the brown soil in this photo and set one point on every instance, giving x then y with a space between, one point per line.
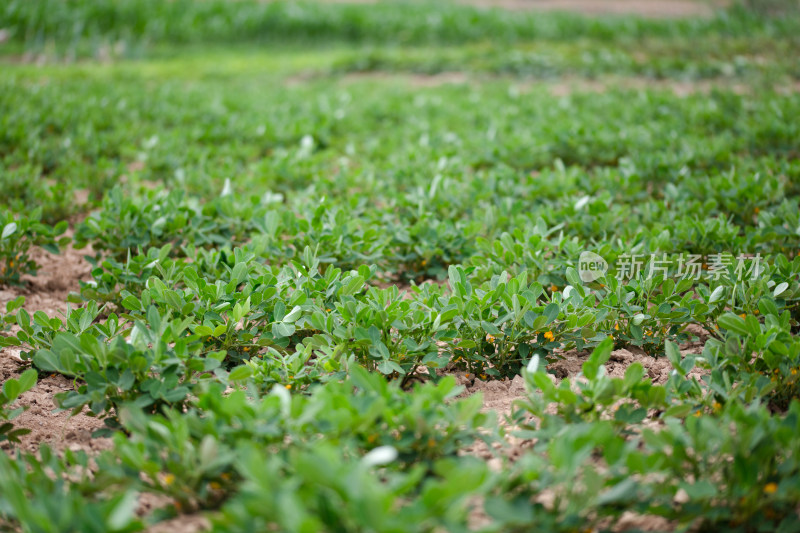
58 276
47 292
182 524
58 430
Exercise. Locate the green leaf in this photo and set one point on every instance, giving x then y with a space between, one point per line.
700 490
11 389
353 286
132 303
633 374
240 372
387 367
679 411
28 379
551 312
734 323
9 228
767 306
204 331
123 512
47 361
281 329
599 356
239 273
780 289
490 328
623 491
674 356
717 294
294 314
573 278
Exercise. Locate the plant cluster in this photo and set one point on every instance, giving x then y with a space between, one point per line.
18 234
292 267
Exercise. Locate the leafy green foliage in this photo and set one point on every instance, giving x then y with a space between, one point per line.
48 494
12 388
185 21
289 260
17 236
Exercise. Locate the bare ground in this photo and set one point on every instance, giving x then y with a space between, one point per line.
47 292
58 276
58 430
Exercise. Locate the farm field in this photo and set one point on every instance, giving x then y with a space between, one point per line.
399 266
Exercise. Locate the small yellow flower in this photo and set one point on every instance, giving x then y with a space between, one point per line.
743 316
553 288
372 438
717 406
483 376
794 371
549 335
616 326
169 479
289 386
424 262
770 488
11 264
215 486
698 414
246 348
756 210
226 476
755 312
490 339
431 442
328 309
